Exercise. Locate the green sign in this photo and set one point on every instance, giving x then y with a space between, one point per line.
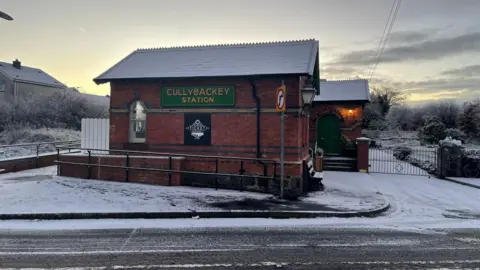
196 96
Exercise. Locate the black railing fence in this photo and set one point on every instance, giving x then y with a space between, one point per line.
404 160
28 150
213 177
471 163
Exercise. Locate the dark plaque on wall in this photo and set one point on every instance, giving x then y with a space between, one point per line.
197 128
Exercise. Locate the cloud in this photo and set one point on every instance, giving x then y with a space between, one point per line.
433 89
339 70
467 71
408 37
426 50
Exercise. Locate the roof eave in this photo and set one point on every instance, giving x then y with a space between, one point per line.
39 83
341 100
99 80
314 55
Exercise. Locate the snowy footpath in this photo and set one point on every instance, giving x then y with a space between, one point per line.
41 191
474 182
418 203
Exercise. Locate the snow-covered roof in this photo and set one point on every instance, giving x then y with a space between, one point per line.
348 90
289 57
29 75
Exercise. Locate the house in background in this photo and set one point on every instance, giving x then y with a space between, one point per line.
338 111
22 81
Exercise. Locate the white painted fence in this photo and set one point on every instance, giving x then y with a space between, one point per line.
96 134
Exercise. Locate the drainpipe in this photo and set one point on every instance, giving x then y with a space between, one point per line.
257 105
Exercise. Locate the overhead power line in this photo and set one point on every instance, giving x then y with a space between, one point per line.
386 34
383 35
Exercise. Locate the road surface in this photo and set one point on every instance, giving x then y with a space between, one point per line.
287 248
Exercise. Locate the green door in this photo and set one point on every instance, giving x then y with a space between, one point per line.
328 134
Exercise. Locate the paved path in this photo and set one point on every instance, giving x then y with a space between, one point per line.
238 249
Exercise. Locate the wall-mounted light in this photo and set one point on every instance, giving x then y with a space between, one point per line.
350 112
308 94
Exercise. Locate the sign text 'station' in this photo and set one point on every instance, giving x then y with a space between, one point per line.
181 96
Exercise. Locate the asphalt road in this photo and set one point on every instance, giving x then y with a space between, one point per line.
287 248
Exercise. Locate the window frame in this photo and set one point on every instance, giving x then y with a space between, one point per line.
133 120
3 90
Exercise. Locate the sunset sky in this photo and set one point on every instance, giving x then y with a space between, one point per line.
432 53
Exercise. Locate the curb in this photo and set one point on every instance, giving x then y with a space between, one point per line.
461 183
206 214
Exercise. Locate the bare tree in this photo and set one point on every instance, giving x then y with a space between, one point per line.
387 97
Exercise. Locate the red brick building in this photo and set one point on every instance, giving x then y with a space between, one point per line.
338 111
214 100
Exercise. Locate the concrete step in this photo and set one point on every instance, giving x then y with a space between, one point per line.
343 168
339 159
333 162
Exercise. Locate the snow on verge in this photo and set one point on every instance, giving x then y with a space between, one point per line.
41 191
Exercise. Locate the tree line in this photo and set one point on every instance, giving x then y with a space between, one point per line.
433 122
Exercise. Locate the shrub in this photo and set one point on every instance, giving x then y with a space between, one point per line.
468 120
379 124
401 118
402 152
346 143
60 110
446 110
455 134
433 131
371 115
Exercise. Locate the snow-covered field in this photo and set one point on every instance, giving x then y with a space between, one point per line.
41 191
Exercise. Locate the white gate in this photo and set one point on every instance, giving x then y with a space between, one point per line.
96 134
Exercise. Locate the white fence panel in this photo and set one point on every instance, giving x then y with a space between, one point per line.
96 134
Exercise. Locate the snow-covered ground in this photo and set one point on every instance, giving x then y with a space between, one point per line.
418 203
348 190
471 181
44 192
41 191
9 141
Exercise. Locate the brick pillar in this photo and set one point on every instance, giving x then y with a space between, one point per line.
362 154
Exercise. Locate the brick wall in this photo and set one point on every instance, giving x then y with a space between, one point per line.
349 114
20 164
233 129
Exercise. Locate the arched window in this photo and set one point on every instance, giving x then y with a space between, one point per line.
138 122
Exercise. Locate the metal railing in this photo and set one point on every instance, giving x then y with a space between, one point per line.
403 160
127 154
471 163
34 150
